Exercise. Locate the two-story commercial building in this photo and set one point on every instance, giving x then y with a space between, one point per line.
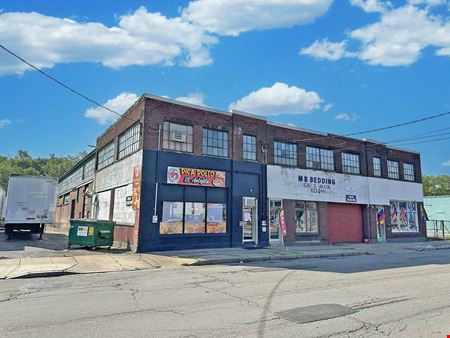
174 175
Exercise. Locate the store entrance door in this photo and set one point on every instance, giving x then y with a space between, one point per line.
275 207
249 220
381 225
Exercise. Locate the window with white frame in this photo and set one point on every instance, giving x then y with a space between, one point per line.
129 141
317 158
215 142
178 137
285 153
404 216
106 156
350 163
249 147
393 171
376 166
408 172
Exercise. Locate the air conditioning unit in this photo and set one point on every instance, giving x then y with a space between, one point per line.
178 136
250 201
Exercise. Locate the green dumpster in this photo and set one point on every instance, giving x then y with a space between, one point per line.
91 233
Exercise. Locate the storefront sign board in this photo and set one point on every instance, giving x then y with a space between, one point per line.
324 186
196 177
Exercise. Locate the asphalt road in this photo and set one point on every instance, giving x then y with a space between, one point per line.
397 295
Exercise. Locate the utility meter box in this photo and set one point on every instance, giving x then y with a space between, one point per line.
91 233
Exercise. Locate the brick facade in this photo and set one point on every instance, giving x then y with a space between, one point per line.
337 222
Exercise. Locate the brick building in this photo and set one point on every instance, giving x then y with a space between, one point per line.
175 175
74 191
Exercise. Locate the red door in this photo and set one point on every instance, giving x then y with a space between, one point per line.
345 223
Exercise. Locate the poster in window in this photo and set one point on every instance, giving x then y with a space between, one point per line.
194 218
172 218
217 218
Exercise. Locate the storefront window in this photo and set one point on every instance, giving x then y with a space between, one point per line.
172 218
306 217
216 218
194 218
404 216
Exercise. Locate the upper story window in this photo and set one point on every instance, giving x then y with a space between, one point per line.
393 171
215 142
350 163
178 137
285 153
376 166
129 141
89 169
249 147
106 156
408 172
317 158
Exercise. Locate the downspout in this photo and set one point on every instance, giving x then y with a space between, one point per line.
369 223
156 175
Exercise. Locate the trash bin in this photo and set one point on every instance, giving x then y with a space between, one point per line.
91 233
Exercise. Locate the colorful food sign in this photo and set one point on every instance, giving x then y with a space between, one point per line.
136 193
197 177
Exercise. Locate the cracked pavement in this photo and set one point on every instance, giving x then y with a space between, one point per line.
397 295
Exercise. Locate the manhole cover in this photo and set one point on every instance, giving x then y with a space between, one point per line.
314 313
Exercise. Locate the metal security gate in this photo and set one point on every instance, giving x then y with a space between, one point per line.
438 229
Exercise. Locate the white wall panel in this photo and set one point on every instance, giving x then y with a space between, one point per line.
119 173
123 213
322 186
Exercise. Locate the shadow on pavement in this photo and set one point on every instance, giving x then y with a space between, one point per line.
355 264
50 241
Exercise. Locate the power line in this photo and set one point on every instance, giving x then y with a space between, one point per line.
302 140
61 83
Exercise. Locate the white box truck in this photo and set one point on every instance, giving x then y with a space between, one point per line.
2 203
30 204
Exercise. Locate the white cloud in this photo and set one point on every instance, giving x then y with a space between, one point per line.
193 98
278 99
346 117
326 50
140 38
397 39
119 104
328 107
446 164
233 17
427 2
4 123
400 36
372 5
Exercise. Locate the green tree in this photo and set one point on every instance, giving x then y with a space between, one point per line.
24 164
436 185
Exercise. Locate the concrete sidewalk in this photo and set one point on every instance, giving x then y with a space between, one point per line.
302 251
56 266
109 262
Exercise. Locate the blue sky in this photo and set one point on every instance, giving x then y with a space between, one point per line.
336 66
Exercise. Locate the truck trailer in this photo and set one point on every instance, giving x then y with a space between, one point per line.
2 203
30 204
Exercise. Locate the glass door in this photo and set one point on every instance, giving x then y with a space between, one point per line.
275 207
381 225
249 220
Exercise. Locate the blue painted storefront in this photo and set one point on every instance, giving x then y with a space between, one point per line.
242 179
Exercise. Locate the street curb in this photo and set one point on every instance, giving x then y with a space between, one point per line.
201 262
